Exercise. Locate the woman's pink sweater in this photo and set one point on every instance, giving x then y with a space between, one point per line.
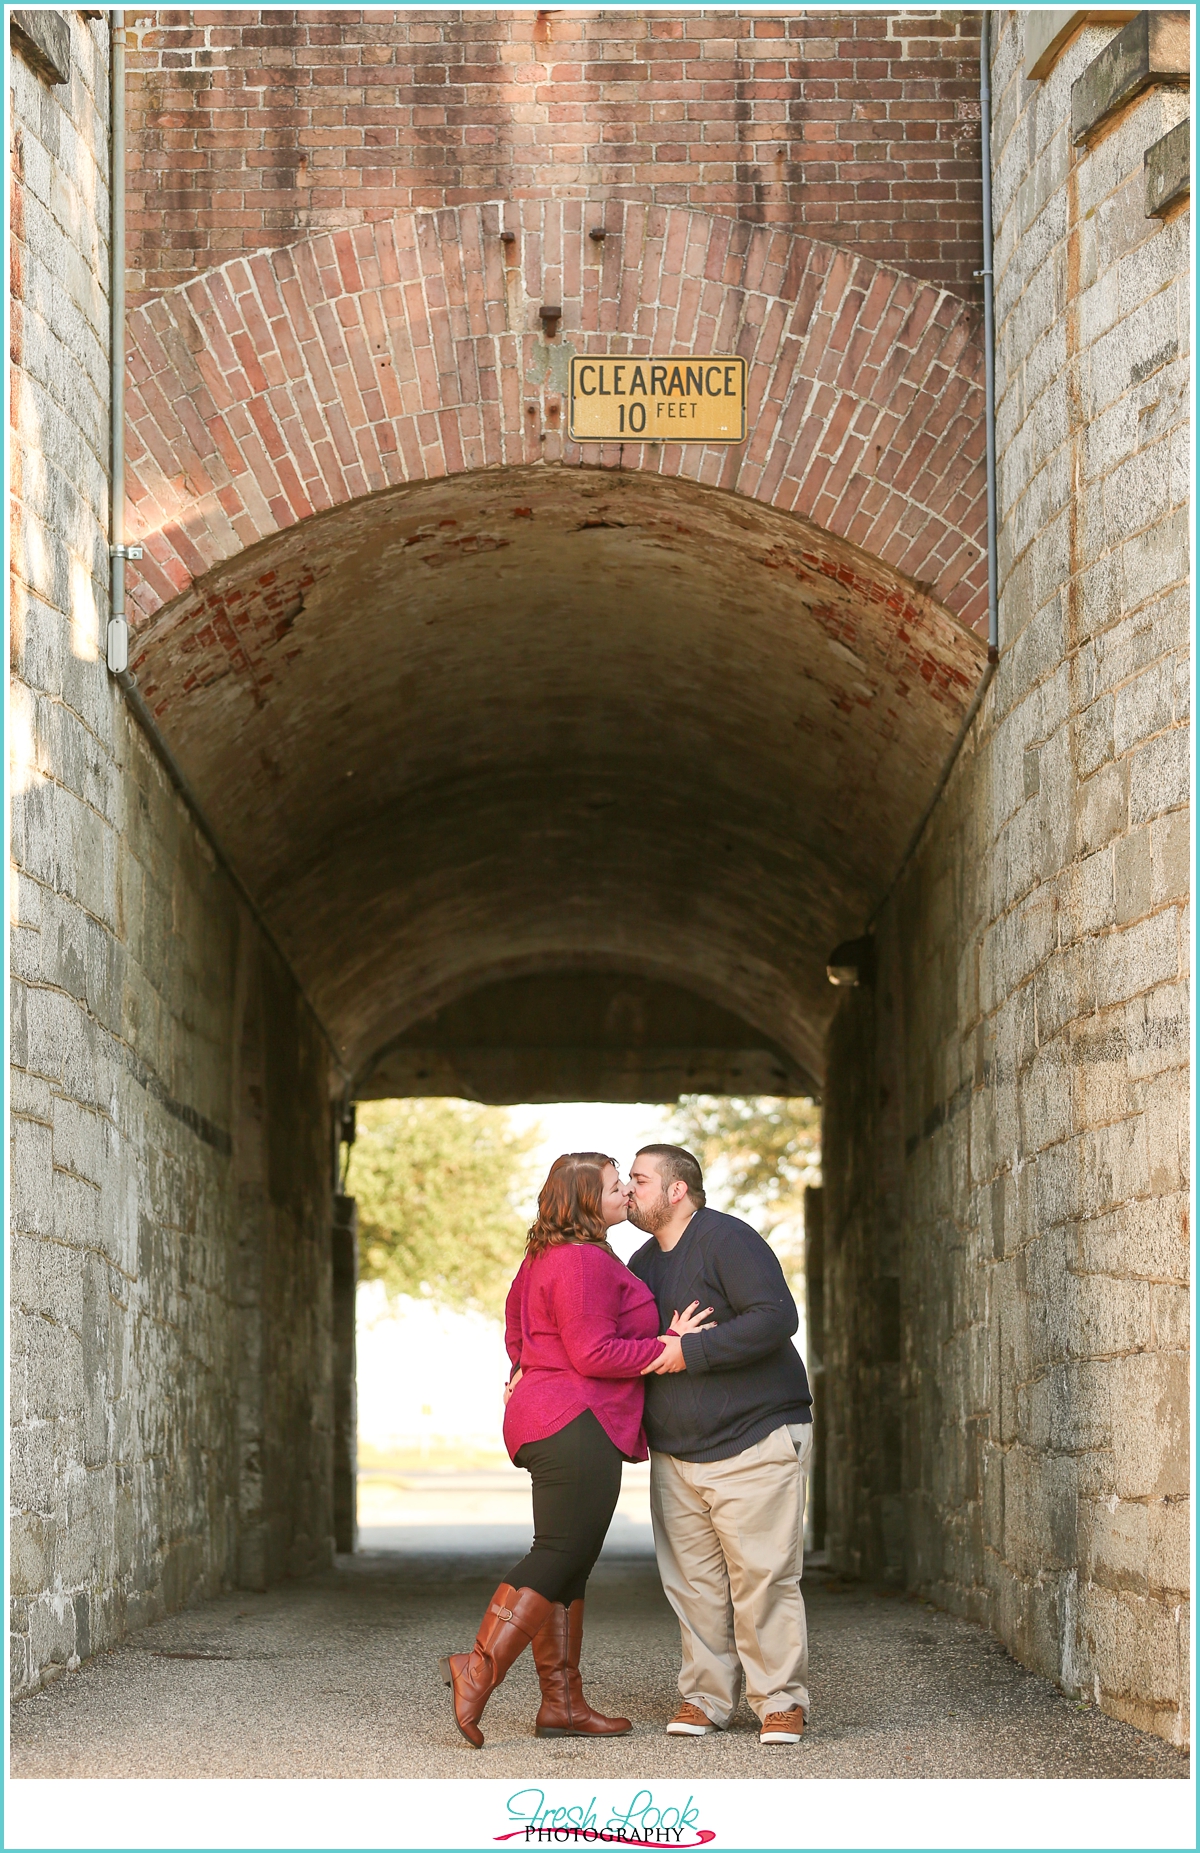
581 1328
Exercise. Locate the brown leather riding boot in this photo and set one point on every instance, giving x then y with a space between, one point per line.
512 1619
564 1710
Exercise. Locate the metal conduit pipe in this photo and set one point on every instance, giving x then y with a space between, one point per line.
989 331
118 625
989 426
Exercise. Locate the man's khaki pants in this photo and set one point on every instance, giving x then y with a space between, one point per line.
729 1536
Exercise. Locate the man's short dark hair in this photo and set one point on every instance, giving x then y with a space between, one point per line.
674 1162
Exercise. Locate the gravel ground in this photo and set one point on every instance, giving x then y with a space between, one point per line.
337 1676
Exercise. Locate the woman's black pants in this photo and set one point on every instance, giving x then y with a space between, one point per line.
576 1481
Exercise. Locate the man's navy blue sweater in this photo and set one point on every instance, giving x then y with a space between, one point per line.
743 1379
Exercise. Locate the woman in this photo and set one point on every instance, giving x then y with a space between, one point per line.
581 1331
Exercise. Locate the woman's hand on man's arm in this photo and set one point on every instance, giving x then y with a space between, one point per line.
671 1358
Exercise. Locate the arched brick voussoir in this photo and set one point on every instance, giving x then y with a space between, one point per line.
297 380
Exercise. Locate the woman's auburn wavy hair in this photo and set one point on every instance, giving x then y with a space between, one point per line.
569 1202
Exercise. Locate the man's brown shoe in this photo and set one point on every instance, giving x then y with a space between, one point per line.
782 1727
690 1721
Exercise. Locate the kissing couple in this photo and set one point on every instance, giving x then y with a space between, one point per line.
606 1368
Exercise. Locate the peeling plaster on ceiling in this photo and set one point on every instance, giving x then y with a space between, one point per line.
549 719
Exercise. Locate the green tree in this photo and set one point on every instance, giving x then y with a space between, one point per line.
758 1153
439 1185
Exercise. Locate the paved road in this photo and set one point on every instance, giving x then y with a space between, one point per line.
337 1676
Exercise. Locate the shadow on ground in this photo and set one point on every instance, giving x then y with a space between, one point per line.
337 1676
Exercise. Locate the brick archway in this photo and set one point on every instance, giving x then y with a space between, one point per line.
297 380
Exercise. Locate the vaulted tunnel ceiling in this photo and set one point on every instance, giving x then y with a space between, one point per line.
580 1035
542 721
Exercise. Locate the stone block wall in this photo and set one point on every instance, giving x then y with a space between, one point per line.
862 1254
1006 1240
283 1274
137 1428
251 130
1031 1009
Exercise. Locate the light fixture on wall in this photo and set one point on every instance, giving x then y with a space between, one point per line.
853 962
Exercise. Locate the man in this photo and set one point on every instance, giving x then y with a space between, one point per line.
729 1422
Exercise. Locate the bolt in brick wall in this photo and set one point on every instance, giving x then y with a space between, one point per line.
250 130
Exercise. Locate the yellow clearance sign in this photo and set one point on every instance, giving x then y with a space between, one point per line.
659 397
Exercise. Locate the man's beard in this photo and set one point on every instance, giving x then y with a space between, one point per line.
650 1218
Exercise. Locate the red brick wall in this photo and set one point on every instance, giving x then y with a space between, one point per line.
303 380
250 129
